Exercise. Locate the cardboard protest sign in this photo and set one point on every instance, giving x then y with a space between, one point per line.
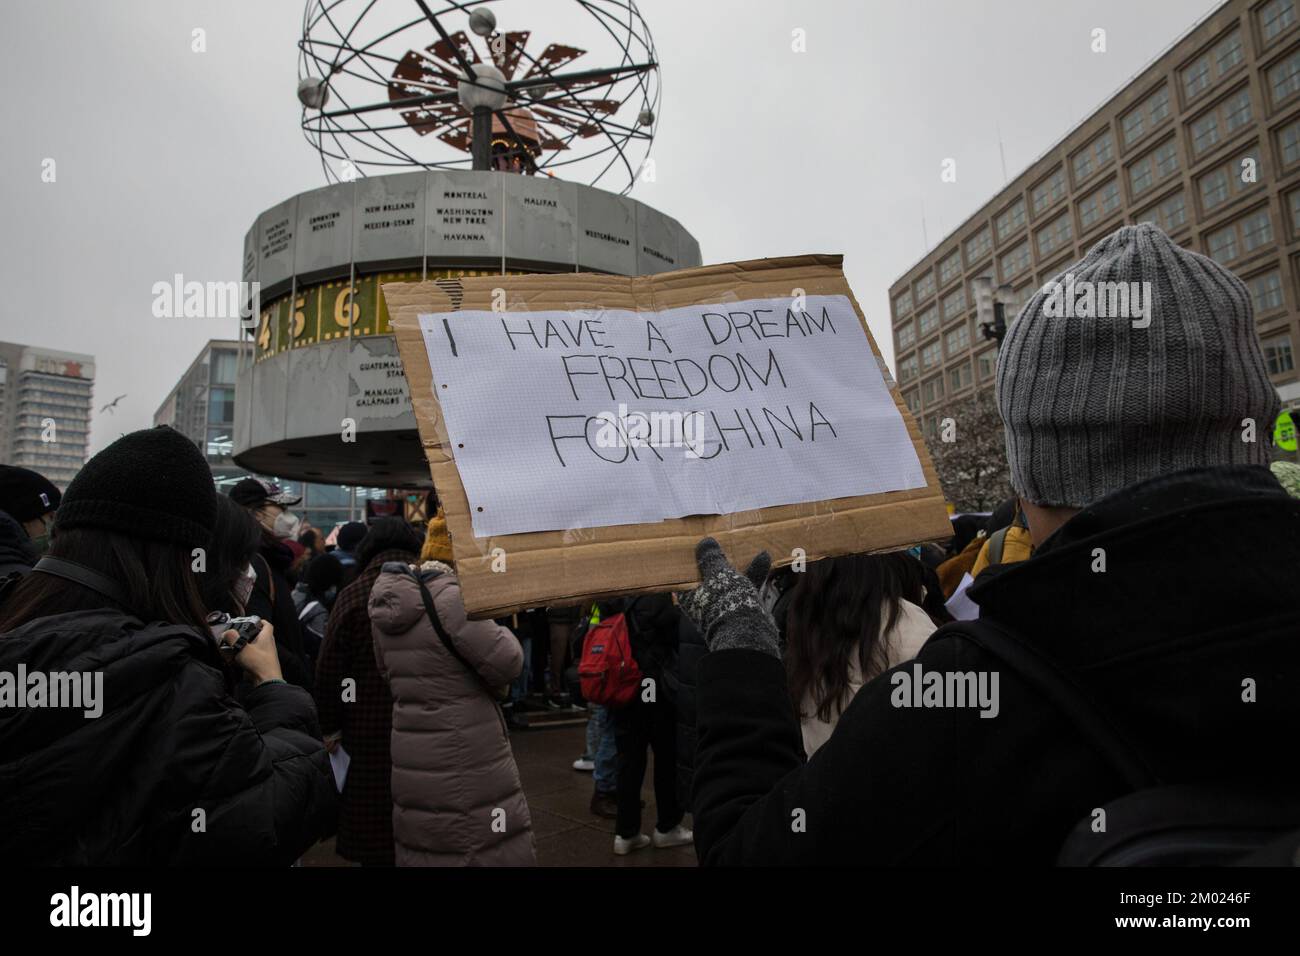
585 431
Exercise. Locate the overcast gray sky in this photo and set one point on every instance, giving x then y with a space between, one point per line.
166 156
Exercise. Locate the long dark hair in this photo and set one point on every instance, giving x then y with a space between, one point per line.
390 533
236 536
839 610
156 578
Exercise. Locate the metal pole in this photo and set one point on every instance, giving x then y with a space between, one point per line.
482 137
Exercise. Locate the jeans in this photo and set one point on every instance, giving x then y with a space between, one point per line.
601 749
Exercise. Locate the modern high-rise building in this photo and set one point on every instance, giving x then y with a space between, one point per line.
1205 143
202 407
45 406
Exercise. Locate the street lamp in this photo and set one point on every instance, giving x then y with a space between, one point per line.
988 301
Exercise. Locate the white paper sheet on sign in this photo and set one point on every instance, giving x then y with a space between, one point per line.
564 420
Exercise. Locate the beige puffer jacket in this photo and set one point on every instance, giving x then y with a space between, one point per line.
457 800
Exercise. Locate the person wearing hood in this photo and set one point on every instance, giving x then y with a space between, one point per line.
28 501
1113 660
457 799
272 597
147 760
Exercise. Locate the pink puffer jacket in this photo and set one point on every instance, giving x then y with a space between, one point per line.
457 800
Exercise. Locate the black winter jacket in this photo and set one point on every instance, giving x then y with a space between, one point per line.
1196 600
682 680
17 553
122 788
272 600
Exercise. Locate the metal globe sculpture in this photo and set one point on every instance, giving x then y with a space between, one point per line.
382 81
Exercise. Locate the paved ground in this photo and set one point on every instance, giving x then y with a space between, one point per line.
559 797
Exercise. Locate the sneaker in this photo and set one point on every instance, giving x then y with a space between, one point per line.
604 805
584 764
622 847
677 836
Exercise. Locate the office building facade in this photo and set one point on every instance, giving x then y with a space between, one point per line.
45 408
1205 143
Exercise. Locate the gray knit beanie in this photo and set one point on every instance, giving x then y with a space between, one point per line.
1094 401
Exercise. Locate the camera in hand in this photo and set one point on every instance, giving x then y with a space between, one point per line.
246 628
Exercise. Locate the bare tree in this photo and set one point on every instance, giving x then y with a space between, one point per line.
970 454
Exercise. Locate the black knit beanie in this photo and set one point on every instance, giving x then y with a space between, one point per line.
153 483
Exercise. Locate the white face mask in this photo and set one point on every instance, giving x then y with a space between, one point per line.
244 586
286 525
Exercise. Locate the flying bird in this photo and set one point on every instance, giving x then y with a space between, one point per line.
113 404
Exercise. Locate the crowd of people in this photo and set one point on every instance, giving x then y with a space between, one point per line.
1124 621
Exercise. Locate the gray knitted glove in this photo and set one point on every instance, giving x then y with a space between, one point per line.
725 607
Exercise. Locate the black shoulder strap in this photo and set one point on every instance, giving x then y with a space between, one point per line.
1059 688
443 636
87 577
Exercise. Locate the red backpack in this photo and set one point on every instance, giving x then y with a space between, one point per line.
607 671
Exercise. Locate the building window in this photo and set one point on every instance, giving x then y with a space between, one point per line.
1132 126
221 405
903 303
949 269
1256 230
225 367
954 303
907 335
1289 139
988 364
1208 69
913 400
1099 204
927 322
1014 262
1221 245
1092 157
1266 291
1196 78
1224 120
1214 189
958 340
1277 354
1228 53
1274 18
1011 219
978 246
1284 78
1236 110
1055 235
1293 198
1048 192
1145 117
932 390
907 369
1169 215
925 287
959 377
1166 159
1205 132
930 355
1152 168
